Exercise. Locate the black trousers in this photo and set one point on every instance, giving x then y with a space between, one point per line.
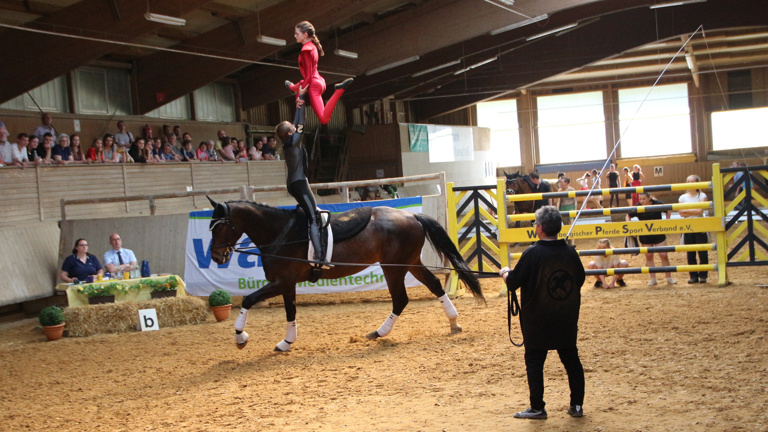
697 238
534 365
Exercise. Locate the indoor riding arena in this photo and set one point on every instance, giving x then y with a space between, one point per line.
244 215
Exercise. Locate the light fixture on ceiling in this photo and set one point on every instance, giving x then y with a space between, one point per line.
270 40
508 2
266 39
675 3
549 32
436 68
165 19
519 24
392 65
476 65
345 53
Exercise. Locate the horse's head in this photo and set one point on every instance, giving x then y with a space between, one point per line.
511 180
224 235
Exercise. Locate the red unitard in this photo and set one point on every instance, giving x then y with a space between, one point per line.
311 77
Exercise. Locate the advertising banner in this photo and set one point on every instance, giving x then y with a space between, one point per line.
244 274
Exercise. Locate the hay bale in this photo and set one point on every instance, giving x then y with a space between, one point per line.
104 318
124 316
177 311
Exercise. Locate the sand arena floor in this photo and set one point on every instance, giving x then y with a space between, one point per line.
666 358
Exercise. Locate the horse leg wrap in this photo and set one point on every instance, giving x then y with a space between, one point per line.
241 338
283 346
387 326
241 319
450 311
290 332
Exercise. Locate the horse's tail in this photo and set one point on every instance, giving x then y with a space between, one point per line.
445 248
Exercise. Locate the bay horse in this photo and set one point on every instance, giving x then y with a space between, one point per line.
519 184
390 236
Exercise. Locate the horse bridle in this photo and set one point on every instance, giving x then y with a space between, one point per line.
224 220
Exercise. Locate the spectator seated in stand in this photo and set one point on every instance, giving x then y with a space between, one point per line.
140 153
19 149
242 153
187 154
607 262
202 152
255 152
111 153
6 148
269 151
227 150
62 154
157 149
213 154
167 155
96 152
74 148
81 264
33 150
47 152
119 259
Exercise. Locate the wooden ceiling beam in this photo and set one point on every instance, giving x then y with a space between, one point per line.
64 54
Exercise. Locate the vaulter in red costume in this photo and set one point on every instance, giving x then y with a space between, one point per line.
315 84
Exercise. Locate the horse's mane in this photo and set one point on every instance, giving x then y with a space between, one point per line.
291 212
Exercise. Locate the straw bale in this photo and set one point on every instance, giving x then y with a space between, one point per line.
124 316
103 318
177 311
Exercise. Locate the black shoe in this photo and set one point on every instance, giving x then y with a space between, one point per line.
598 284
694 280
344 84
621 283
531 413
576 411
703 280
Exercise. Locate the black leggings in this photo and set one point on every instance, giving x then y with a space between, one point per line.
697 238
301 192
534 365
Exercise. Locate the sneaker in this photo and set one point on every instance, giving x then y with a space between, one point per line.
652 282
598 284
531 413
344 84
576 411
671 280
693 280
621 283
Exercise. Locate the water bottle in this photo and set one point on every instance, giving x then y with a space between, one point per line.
145 269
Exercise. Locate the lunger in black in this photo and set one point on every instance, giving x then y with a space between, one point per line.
549 275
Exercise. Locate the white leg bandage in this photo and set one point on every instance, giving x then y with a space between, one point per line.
387 326
450 311
290 332
241 319
241 338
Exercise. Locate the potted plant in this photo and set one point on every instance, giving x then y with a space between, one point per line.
221 303
52 320
100 293
166 288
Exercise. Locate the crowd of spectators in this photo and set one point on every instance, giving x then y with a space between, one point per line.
47 146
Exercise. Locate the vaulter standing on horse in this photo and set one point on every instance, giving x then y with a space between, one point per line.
298 185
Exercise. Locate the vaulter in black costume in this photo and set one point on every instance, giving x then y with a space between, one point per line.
298 185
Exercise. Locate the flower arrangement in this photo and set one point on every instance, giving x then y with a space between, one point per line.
51 316
171 283
219 298
100 290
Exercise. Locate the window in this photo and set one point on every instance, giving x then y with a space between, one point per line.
739 129
571 128
51 96
215 102
176 110
501 118
659 126
102 91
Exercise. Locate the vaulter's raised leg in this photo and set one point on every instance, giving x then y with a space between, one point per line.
395 277
289 299
270 290
435 287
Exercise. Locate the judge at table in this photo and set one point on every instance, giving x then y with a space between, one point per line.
118 259
80 264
